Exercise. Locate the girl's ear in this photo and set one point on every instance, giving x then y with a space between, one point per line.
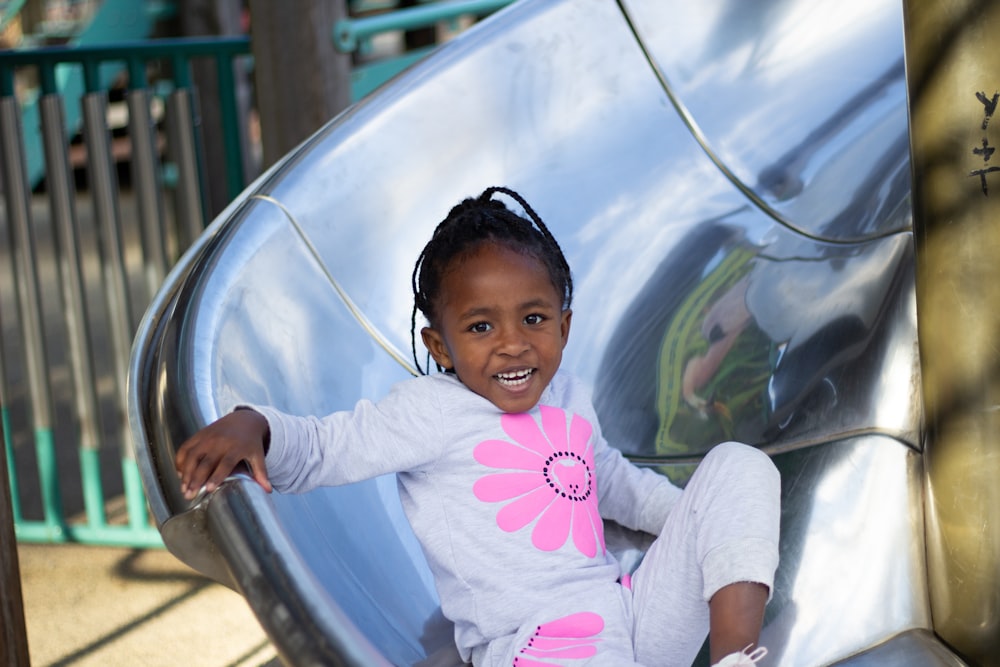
434 342
565 321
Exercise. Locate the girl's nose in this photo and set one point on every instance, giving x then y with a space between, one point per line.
512 341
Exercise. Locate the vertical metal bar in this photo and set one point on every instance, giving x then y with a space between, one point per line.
59 184
230 125
145 166
104 189
8 441
22 241
953 82
7 91
190 205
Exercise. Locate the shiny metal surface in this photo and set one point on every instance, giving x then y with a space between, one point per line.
913 648
953 93
731 189
813 130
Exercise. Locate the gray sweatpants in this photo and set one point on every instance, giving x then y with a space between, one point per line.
723 530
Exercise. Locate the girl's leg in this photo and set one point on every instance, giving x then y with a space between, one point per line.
736 614
720 538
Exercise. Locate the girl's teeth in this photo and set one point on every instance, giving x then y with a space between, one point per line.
514 379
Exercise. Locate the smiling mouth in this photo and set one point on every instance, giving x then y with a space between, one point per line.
515 378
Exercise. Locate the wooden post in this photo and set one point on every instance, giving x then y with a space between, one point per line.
301 80
13 633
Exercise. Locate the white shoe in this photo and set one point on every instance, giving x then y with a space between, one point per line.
743 659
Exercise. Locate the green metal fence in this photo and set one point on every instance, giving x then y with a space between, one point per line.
83 265
355 34
81 254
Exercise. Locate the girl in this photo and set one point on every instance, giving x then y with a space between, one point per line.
505 477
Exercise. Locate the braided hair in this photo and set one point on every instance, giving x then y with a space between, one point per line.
469 225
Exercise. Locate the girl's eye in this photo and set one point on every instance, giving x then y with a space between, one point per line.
534 318
480 327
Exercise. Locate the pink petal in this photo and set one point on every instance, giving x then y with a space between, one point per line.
503 454
598 522
523 511
554 424
580 431
552 529
523 429
574 653
539 643
507 485
580 624
521 661
570 637
584 529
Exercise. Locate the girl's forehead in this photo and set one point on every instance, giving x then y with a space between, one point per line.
490 255
491 250
495 269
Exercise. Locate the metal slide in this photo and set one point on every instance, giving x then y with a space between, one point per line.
730 182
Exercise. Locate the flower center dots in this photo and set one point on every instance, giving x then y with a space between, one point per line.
568 475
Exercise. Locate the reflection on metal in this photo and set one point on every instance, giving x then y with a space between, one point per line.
953 73
778 309
728 71
912 648
344 296
732 364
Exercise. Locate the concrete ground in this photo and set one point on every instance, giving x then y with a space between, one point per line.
103 606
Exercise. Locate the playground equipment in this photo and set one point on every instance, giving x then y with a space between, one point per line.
114 22
60 419
730 182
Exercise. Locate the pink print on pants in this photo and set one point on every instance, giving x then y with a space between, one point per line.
549 476
572 637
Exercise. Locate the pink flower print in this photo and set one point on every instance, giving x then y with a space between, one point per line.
549 476
572 637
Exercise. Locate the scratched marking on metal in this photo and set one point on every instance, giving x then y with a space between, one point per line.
986 152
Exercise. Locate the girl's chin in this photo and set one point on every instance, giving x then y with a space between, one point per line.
522 400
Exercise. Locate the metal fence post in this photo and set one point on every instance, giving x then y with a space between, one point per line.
183 126
22 242
104 187
146 176
61 191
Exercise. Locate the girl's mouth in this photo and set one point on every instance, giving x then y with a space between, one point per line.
514 379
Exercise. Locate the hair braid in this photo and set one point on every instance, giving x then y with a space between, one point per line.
471 223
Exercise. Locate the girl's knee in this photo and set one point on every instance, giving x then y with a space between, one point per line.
742 461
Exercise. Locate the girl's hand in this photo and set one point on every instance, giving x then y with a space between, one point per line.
211 454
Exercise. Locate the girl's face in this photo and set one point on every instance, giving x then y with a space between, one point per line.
500 326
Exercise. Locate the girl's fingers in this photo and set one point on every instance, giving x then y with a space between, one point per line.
210 455
259 471
199 469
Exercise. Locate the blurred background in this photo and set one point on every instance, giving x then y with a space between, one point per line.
126 126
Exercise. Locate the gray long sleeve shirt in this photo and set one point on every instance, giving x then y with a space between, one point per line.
506 507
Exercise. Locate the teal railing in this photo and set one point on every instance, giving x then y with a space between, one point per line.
78 264
355 34
55 325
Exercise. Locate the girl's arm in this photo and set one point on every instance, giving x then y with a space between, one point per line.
401 432
637 498
210 455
